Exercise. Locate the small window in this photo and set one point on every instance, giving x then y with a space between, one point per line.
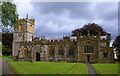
31 28
105 55
20 27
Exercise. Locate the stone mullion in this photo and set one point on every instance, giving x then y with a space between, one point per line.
65 51
55 51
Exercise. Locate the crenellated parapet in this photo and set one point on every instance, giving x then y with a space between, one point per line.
65 40
31 21
98 37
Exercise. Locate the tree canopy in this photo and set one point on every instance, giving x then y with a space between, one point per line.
7 39
92 28
9 17
9 21
116 45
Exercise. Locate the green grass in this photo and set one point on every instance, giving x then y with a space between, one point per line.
8 60
24 67
3 57
106 68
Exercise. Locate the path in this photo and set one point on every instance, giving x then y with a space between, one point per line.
5 67
91 70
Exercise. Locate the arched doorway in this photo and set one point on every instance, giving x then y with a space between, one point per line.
37 56
88 59
25 53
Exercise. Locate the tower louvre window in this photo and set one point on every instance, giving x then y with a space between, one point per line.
31 28
20 27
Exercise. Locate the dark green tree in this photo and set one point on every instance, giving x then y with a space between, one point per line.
9 17
9 21
92 28
5 51
116 44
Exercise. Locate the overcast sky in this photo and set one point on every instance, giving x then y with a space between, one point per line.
57 19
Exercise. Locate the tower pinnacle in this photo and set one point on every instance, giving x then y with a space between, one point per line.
27 16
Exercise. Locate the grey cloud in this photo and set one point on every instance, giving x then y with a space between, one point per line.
76 9
106 10
57 19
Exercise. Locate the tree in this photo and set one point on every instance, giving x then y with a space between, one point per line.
116 44
9 17
92 28
9 21
7 39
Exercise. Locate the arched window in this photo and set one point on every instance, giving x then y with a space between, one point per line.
31 28
51 52
61 52
88 48
20 27
105 55
25 52
71 52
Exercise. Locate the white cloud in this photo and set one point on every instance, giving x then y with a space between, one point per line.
24 7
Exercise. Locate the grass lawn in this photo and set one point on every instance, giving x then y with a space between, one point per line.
2 57
24 67
106 68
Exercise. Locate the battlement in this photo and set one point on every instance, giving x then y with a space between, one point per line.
93 37
64 40
31 21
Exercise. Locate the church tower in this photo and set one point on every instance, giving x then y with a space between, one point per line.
25 30
23 33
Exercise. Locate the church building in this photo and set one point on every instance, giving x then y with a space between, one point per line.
84 49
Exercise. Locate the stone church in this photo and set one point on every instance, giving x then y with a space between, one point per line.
82 49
